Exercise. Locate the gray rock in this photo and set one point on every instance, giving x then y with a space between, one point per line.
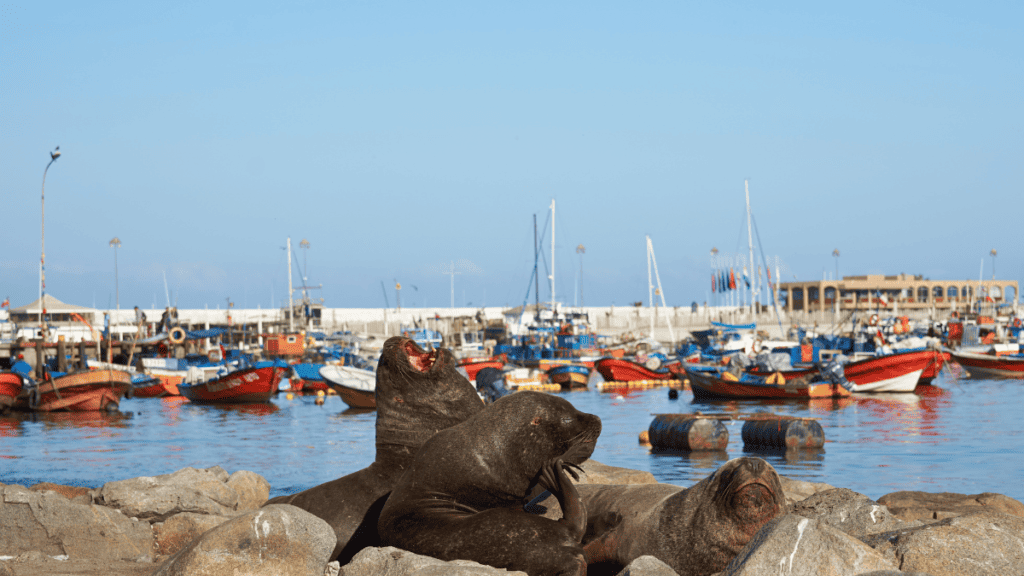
276 540
252 489
47 523
893 573
849 511
798 546
5 570
177 531
333 568
156 498
980 543
647 566
396 562
597 473
927 507
797 490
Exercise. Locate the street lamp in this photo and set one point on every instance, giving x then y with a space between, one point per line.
835 253
115 244
305 277
42 257
993 253
581 250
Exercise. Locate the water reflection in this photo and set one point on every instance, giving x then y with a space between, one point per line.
13 422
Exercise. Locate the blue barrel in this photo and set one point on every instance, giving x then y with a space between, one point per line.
687 433
783 433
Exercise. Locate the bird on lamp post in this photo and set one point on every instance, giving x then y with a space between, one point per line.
993 253
835 254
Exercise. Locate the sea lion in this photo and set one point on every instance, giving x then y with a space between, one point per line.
462 497
418 394
696 530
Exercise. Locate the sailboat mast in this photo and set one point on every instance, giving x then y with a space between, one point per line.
650 286
291 308
536 276
552 255
750 244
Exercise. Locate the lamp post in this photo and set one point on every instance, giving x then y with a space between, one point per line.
835 254
42 257
115 243
581 250
305 277
993 253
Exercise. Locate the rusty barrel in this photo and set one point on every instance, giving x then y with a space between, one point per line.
687 433
783 433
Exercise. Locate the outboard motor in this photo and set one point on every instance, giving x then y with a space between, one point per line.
490 384
832 371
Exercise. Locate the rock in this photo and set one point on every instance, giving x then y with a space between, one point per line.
5 570
68 492
276 540
177 531
252 489
156 498
647 566
798 546
597 473
853 513
928 507
984 542
893 573
47 523
396 562
333 568
797 490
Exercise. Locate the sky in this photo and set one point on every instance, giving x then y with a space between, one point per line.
407 140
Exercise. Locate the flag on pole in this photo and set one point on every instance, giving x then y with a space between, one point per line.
746 277
732 279
713 287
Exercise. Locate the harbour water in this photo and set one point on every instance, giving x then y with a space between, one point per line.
963 436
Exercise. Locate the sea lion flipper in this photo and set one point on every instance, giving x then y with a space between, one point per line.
574 513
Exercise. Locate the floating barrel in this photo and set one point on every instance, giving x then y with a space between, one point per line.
783 433
687 433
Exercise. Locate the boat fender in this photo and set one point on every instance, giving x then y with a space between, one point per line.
130 392
873 320
1016 322
177 335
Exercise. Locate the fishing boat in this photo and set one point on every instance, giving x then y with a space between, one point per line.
356 386
717 383
569 376
247 385
900 372
990 365
78 391
306 377
10 386
474 365
149 386
622 370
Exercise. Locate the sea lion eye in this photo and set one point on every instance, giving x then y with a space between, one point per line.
566 420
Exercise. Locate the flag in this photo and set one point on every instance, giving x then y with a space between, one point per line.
746 278
882 298
721 280
713 287
6 303
732 280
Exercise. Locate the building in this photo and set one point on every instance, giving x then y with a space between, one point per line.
909 292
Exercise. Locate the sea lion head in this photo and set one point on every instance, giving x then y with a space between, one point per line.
729 507
418 394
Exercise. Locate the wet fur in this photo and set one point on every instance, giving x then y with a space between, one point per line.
418 394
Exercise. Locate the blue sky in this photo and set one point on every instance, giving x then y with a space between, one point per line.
398 137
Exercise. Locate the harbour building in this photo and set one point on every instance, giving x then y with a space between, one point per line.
907 291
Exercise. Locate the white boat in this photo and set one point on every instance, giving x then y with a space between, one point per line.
356 386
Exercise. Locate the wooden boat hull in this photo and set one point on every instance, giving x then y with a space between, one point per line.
990 366
475 365
10 386
708 385
82 391
155 388
571 376
250 385
356 387
899 372
620 370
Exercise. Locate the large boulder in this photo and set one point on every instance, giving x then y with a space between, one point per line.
177 531
156 498
252 489
276 540
48 523
597 473
797 490
927 507
396 562
647 566
849 511
798 546
984 542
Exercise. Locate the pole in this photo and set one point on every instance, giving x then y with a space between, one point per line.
552 255
536 276
291 309
42 242
750 246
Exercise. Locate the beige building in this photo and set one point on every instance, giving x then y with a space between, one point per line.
908 291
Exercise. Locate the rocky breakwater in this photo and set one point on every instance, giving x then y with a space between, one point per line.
207 522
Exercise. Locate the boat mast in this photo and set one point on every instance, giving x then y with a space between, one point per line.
291 309
536 276
652 260
552 256
754 291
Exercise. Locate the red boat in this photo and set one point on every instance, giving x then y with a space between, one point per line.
10 387
474 365
239 387
77 392
156 387
717 383
620 370
991 366
900 372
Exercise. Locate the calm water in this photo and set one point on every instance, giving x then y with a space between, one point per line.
957 436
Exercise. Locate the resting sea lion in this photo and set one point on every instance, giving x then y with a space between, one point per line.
418 394
463 496
695 530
